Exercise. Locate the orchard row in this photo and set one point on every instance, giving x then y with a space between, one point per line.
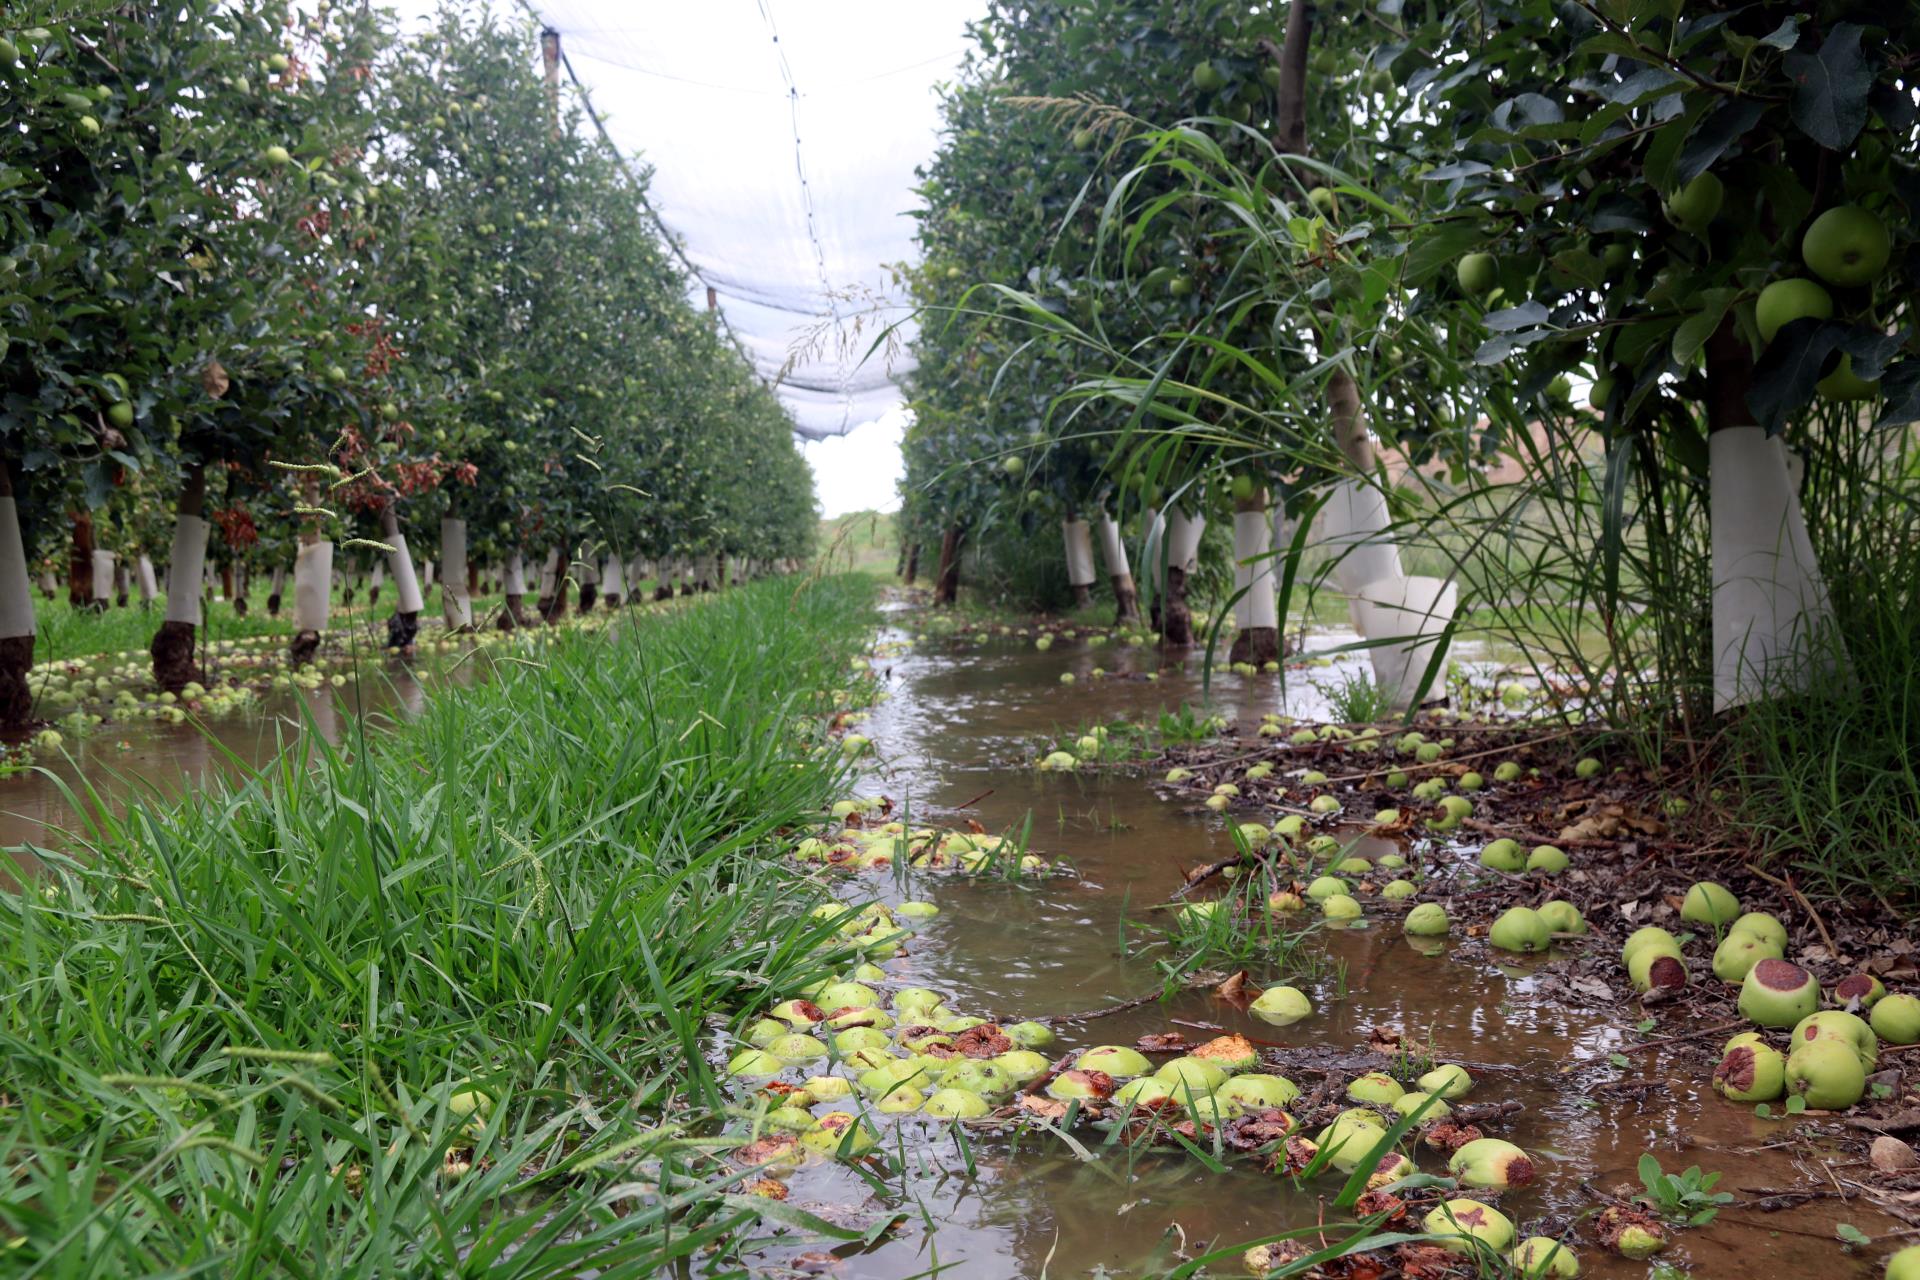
285 287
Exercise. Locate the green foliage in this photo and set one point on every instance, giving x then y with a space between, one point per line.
250 236
518 893
1684 1198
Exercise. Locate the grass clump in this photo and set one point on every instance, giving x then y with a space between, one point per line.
434 1002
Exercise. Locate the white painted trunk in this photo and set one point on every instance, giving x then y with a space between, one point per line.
186 569
16 588
378 578
1355 521
454 601
516 576
49 583
426 575
277 580
1079 540
1770 601
585 573
613 578
1405 617
1113 553
144 571
102 576
405 584
1253 571
1183 539
312 586
550 573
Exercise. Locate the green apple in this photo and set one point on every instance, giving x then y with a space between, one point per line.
1323 199
1013 464
1242 487
1179 286
120 413
1601 393
1784 301
1843 384
1846 246
1695 206
1208 78
277 156
1477 273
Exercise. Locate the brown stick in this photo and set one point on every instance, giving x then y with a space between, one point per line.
1805 906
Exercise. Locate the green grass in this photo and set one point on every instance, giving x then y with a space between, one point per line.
865 542
233 1024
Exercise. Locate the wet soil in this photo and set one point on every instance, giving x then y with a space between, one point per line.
1558 1034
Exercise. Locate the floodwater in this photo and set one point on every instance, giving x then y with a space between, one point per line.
950 732
954 730
158 761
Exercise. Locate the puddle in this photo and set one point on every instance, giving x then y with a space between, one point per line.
160 761
950 732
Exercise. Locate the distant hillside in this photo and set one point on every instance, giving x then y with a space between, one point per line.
861 541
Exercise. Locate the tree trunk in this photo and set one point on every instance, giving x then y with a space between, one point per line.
514 589
375 581
553 586
275 585
172 648
403 628
1183 556
1257 639
913 564
17 627
149 587
613 581
456 575
1772 620
1080 576
1126 599
946 586
102 579
80 563
588 576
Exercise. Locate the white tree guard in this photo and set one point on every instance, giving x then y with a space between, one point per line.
426 575
586 573
1079 539
613 577
16 588
1183 539
515 576
1406 618
1770 601
1355 520
143 569
400 563
102 575
312 586
549 573
454 601
1113 552
1253 571
186 569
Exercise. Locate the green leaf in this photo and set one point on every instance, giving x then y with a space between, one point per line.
1830 88
1851 1234
1620 1060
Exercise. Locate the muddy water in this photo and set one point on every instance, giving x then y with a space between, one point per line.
160 761
950 732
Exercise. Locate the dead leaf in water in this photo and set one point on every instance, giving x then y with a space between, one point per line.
1237 990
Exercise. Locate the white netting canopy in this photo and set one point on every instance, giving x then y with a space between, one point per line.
783 138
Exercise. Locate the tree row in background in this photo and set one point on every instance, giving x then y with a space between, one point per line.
283 287
1333 266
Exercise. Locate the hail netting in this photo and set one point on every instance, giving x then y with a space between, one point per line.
781 141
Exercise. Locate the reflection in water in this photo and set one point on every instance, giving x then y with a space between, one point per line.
951 730
160 761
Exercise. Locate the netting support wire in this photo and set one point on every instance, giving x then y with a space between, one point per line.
551 49
806 203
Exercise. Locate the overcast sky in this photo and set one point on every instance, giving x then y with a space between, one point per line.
785 167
